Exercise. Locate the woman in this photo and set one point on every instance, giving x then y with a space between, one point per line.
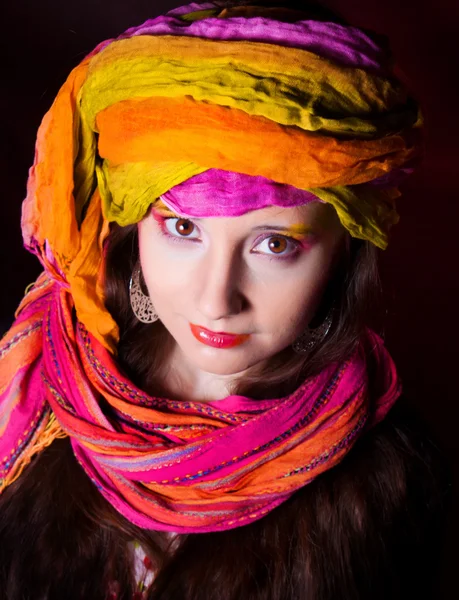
193 405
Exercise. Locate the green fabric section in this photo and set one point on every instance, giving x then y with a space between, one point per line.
128 190
357 105
365 211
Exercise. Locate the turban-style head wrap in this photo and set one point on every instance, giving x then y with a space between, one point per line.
219 111
216 112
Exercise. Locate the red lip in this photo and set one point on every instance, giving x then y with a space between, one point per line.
217 339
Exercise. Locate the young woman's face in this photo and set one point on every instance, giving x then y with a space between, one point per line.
259 276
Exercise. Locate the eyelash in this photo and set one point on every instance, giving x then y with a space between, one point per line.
296 244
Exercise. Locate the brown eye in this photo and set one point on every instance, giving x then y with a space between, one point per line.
277 244
184 227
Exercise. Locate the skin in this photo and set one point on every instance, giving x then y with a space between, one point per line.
225 277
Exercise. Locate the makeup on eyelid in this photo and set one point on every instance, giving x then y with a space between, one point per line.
301 233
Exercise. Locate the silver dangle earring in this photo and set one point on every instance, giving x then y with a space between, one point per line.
141 304
311 337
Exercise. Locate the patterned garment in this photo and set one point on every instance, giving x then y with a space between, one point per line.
144 572
144 575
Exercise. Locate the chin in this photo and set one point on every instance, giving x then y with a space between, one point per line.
214 361
221 367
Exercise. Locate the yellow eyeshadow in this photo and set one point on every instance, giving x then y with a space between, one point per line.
163 210
297 231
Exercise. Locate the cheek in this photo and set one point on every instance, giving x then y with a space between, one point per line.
292 305
160 280
163 277
150 261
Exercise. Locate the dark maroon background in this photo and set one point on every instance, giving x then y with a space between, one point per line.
42 41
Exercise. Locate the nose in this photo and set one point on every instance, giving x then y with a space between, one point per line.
221 294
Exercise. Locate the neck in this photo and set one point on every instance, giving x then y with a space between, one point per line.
184 381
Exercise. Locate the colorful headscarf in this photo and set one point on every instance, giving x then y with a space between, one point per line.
312 107
199 100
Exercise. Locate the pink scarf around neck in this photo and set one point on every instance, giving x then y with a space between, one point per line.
173 465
